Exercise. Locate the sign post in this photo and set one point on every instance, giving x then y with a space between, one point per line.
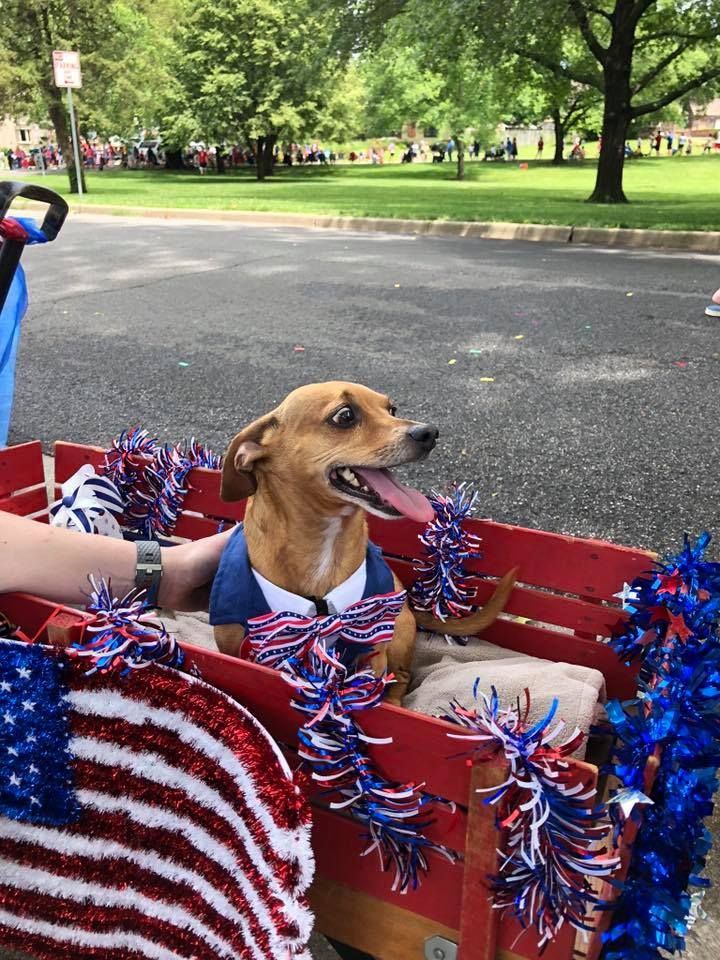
66 67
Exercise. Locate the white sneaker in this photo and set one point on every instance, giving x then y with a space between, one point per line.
712 310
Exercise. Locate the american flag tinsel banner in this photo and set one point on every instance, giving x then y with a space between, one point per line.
143 816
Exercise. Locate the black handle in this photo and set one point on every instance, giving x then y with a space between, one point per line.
58 209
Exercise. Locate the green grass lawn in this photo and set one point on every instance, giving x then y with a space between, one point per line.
669 193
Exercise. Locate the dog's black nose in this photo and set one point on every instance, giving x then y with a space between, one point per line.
424 434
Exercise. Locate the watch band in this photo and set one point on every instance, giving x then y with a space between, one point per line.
149 569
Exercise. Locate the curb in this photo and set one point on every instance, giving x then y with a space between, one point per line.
695 241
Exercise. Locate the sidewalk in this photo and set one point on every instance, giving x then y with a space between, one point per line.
693 241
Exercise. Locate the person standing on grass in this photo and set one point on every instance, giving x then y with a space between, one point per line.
682 140
514 148
669 141
202 161
658 141
450 147
540 148
708 145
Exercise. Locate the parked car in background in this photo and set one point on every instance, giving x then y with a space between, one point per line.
151 152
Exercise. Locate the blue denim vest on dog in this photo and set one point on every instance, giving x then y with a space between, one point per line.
236 596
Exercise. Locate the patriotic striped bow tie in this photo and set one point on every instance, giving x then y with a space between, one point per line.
276 637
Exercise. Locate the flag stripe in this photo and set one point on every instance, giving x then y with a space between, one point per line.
190 729
51 941
104 897
136 789
154 769
161 819
158 878
159 743
98 919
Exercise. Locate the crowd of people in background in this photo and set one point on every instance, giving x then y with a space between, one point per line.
148 154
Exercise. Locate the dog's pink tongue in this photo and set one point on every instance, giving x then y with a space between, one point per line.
411 503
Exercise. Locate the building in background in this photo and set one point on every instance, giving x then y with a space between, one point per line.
19 133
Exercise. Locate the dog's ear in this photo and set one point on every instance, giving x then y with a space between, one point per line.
238 470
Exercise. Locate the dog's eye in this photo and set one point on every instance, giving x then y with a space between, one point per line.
344 417
392 411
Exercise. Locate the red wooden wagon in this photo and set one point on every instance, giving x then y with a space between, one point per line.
565 592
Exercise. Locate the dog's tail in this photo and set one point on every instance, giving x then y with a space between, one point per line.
476 622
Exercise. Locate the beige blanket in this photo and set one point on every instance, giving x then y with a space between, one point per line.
443 672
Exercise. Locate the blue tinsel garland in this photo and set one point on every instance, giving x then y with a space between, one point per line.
672 630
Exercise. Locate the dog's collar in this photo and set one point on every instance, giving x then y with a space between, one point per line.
338 599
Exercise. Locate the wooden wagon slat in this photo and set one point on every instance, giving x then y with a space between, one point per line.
566 564
570 612
384 930
564 648
31 613
420 750
20 467
26 503
338 846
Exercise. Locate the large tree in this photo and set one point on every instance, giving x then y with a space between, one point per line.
121 45
256 70
428 70
641 55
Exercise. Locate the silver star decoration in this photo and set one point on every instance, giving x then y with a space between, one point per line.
9 718
31 738
5 686
24 672
626 594
12 751
627 798
28 705
34 800
33 768
15 781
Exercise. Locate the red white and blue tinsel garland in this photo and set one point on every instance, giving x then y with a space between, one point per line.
552 850
152 479
122 635
443 586
312 653
672 630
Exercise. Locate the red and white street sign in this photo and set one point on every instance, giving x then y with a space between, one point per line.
66 67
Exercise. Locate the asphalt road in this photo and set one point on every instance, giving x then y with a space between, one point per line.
576 388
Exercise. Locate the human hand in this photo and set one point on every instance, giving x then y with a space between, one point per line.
188 571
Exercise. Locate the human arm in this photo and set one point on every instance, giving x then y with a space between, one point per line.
55 563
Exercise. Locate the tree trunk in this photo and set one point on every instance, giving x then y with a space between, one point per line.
260 158
269 154
174 160
617 111
608 185
460 158
559 137
60 118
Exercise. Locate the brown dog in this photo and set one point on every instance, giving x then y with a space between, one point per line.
312 468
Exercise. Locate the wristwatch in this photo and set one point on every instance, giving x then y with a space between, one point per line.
149 569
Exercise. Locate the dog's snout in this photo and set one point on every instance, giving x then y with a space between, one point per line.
424 434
